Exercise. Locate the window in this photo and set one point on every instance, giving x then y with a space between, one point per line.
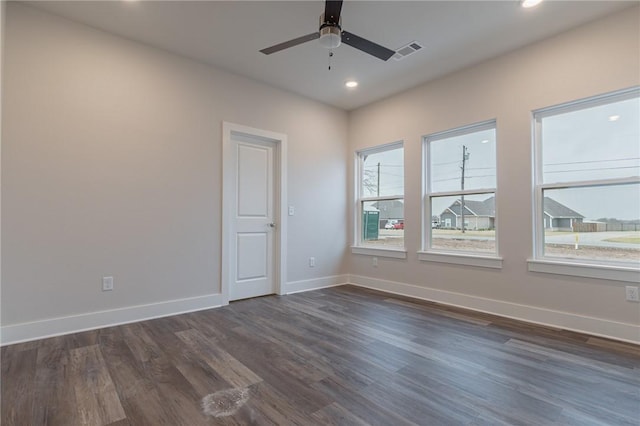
380 195
460 191
587 181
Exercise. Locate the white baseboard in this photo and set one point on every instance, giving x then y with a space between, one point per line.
50 327
315 284
594 326
23 332
18 333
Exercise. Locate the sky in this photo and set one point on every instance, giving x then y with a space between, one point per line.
602 142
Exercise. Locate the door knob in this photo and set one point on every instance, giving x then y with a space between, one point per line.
272 225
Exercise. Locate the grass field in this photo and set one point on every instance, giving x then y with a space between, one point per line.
629 240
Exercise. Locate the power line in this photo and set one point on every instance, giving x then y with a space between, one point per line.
481 176
591 161
444 164
480 168
466 177
465 158
589 170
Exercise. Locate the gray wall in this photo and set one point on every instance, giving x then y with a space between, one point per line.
596 58
111 165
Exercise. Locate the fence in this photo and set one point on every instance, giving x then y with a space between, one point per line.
605 227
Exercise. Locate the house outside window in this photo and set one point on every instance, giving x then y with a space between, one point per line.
380 197
587 181
460 190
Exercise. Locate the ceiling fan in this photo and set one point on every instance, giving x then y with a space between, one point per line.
330 35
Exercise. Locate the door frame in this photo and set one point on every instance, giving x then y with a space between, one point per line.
279 202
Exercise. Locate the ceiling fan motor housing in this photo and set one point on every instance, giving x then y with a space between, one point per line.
330 33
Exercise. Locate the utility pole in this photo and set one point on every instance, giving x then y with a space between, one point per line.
465 157
378 193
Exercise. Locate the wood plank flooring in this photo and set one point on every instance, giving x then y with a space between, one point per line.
339 356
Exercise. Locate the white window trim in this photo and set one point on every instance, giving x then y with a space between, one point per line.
461 258
609 270
379 252
359 247
429 254
587 270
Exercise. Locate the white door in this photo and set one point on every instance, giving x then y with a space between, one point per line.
251 246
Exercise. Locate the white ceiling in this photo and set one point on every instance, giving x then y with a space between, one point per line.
229 35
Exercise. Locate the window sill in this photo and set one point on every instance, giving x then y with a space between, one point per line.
605 272
461 259
380 252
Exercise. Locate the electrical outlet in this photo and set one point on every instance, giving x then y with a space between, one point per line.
292 210
107 283
374 262
312 262
632 293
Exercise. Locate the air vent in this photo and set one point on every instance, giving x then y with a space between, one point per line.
407 50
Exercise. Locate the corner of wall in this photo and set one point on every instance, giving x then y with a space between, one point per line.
2 24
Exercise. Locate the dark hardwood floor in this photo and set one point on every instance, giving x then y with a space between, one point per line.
344 355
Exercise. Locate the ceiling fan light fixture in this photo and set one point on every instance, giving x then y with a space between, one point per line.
330 37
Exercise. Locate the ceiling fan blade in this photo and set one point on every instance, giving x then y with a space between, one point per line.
367 46
332 9
290 43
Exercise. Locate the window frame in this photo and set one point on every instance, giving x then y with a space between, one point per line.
590 268
359 246
461 257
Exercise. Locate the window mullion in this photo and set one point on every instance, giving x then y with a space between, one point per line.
466 192
588 183
385 198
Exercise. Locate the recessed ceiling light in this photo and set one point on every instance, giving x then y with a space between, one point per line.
614 117
530 3
485 141
351 84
